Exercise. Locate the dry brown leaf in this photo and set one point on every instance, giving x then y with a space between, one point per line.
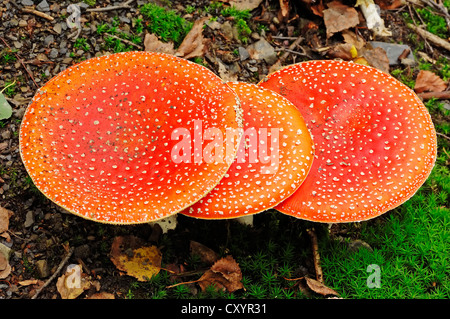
319 287
224 274
344 51
194 44
376 57
243 4
207 255
153 44
427 81
73 282
389 4
29 282
5 267
131 255
102 295
339 17
351 38
4 219
284 9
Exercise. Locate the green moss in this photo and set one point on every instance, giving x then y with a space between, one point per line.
166 24
435 23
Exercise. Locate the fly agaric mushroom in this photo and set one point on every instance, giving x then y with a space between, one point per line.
274 157
96 139
375 141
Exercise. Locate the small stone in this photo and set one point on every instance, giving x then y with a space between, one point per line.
17 44
57 28
53 53
28 2
67 60
29 219
262 50
393 51
14 22
23 23
6 135
42 268
43 6
48 40
243 54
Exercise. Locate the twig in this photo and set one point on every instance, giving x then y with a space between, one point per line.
124 40
38 13
184 283
21 61
445 95
61 265
315 249
125 5
291 51
283 38
431 37
444 136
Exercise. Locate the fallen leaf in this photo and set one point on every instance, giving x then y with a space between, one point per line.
102 295
225 274
5 108
351 38
376 57
225 74
344 51
73 282
5 214
319 287
5 267
243 4
29 282
129 254
194 44
389 4
207 255
339 17
284 9
153 44
428 81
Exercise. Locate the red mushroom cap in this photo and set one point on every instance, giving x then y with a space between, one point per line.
256 183
375 141
97 139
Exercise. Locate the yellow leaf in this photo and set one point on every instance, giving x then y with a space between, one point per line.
131 256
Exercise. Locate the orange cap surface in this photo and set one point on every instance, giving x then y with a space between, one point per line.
98 138
375 143
274 157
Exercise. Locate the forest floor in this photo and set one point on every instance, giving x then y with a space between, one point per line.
410 244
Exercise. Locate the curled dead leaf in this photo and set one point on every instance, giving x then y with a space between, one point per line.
194 44
339 17
427 81
74 282
320 288
5 267
224 274
5 214
153 44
